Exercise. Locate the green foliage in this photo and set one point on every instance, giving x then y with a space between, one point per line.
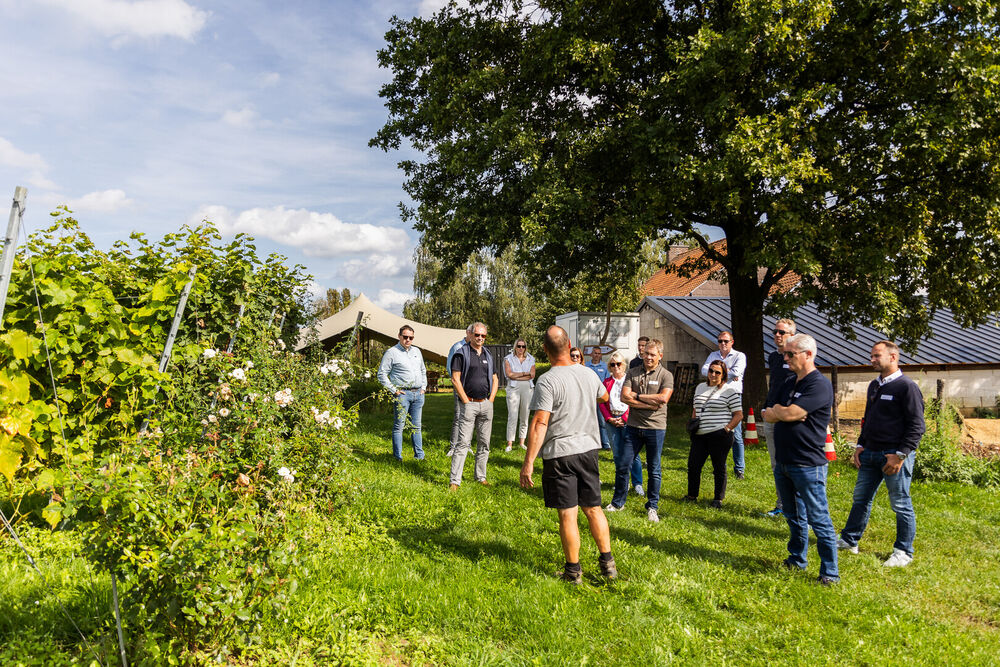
940 456
105 317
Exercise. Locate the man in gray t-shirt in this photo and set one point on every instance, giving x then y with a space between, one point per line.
564 430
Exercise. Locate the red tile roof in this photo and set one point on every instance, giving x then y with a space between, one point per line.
704 282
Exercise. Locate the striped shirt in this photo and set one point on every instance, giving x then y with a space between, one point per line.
715 406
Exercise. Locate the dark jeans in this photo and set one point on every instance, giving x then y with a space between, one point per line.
716 445
637 439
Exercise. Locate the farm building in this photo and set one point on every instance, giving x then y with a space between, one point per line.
964 362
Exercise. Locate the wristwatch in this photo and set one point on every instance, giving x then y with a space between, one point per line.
901 455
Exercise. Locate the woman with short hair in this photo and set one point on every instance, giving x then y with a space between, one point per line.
519 367
719 410
616 416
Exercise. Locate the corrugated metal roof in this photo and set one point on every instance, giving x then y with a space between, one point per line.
949 343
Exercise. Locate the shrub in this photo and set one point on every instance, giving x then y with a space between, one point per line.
940 456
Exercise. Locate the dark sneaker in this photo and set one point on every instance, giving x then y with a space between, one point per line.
739 474
689 499
789 565
826 581
571 577
608 570
717 504
775 513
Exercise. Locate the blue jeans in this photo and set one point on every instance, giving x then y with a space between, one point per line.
602 426
870 476
616 435
739 463
803 495
408 404
635 440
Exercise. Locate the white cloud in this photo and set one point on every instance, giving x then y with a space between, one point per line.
315 234
32 164
392 300
315 291
243 118
11 156
142 18
430 7
102 201
377 265
269 79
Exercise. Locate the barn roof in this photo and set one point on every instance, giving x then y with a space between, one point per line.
948 343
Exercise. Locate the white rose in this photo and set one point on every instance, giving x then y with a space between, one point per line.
209 353
223 412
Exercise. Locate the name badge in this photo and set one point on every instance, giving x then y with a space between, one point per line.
886 397
654 382
796 394
784 365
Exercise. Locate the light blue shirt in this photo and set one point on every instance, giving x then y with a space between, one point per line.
600 368
402 368
736 365
451 354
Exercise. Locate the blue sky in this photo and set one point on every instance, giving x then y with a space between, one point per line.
148 114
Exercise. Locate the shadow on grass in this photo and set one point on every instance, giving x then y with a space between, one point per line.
684 550
432 542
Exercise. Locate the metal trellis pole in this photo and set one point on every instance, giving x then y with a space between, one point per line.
10 245
169 345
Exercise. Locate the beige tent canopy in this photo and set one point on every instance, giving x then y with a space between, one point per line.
381 325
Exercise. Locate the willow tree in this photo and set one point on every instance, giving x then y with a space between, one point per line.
852 142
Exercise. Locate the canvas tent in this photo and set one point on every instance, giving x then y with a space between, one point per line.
381 325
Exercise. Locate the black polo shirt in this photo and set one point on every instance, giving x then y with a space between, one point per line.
802 443
477 382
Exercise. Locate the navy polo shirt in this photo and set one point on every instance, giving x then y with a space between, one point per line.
802 443
477 382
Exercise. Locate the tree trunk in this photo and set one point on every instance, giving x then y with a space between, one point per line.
607 323
746 311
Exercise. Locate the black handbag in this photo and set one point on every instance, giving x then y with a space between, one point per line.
693 424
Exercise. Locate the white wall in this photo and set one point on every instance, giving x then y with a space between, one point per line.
586 329
965 389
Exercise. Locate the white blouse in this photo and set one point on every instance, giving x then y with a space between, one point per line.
518 366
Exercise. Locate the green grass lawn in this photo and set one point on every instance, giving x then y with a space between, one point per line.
411 573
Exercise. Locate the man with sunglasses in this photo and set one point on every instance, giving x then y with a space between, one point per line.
402 372
800 417
453 441
736 366
475 379
779 371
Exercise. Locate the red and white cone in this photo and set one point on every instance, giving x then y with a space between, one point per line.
750 435
828 448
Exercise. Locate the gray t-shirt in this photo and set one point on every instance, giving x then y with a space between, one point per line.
569 394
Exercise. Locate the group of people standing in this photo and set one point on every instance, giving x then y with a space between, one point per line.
630 419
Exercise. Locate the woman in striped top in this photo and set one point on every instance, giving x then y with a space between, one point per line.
719 410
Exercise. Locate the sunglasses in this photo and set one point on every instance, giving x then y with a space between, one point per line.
789 355
574 356
780 332
613 364
478 335
520 346
723 340
407 337
715 372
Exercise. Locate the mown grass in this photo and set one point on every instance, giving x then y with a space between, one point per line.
414 574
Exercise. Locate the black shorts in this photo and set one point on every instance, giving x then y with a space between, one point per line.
571 481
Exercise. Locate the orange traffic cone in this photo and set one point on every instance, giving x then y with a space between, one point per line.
750 436
828 448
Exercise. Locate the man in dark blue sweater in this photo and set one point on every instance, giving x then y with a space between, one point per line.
890 433
800 417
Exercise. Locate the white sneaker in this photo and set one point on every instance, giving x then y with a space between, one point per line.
524 446
508 448
842 545
899 558
653 516
638 490
612 508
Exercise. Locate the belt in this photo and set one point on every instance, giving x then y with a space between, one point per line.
477 400
407 388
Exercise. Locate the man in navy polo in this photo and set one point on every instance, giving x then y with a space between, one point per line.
474 376
890 433
778 367
453 441
800 418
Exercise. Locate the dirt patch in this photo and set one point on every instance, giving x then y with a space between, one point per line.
981 437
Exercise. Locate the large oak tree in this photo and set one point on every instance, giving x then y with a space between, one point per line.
853 142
